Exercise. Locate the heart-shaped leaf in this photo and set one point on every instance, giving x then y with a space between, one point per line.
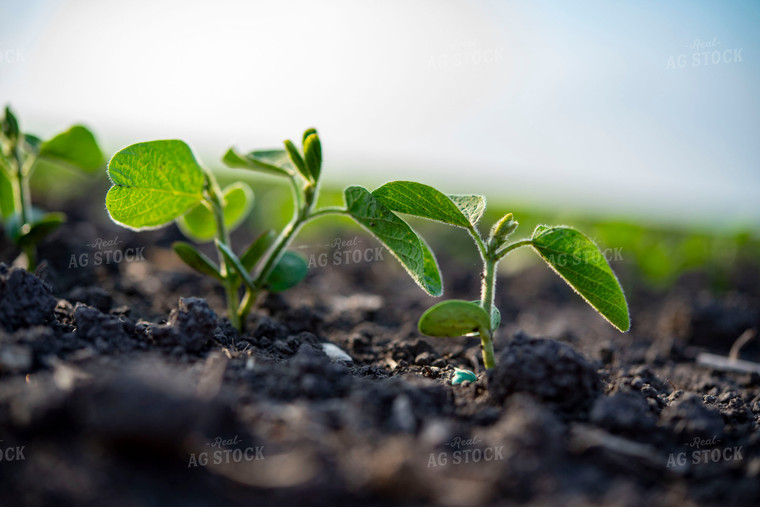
580 263
153 183
76 146
397 236
199 222
454 317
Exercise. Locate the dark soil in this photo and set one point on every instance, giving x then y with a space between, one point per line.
122 385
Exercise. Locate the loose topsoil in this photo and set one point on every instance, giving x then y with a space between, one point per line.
123 384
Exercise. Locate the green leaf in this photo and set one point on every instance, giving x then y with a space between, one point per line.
289 271
502 229
196 260
472 206
33 143
7 201
454 317
268 161
495 315
76 146
9 125
307 133
295 157
199 222
396 235
420 200
153 183
580 263
312 152
32 234
236 265
257 249
431 273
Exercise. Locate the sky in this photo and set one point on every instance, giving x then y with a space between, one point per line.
639 108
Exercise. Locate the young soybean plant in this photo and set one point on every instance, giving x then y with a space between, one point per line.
24 224
157 182
571 254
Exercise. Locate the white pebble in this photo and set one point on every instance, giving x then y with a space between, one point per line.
335 353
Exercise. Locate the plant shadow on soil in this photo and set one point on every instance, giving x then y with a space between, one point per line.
119 386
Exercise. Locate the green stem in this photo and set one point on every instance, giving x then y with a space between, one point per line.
23 201
479 242
223 236
286 238
487 293
504 251
329 210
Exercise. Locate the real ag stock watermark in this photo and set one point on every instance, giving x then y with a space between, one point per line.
221 453
586 256
11 55
106 251
11 453
465 53
703 53
343 252
465 451
705 451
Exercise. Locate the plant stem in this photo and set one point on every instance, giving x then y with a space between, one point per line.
223 236
488 289
23 199
23 202
504 251
286 238
478 242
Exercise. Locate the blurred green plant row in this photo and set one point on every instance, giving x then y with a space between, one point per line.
653 254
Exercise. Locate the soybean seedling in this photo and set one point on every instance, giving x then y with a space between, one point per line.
572 255
20 154
157 182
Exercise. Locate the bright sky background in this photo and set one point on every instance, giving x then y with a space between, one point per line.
565 103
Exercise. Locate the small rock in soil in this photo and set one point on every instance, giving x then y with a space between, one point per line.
25 300
335 353
548 370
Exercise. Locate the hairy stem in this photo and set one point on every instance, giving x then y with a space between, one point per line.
482 249
487 291
504 251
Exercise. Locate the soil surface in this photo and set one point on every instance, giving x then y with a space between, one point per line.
122 384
